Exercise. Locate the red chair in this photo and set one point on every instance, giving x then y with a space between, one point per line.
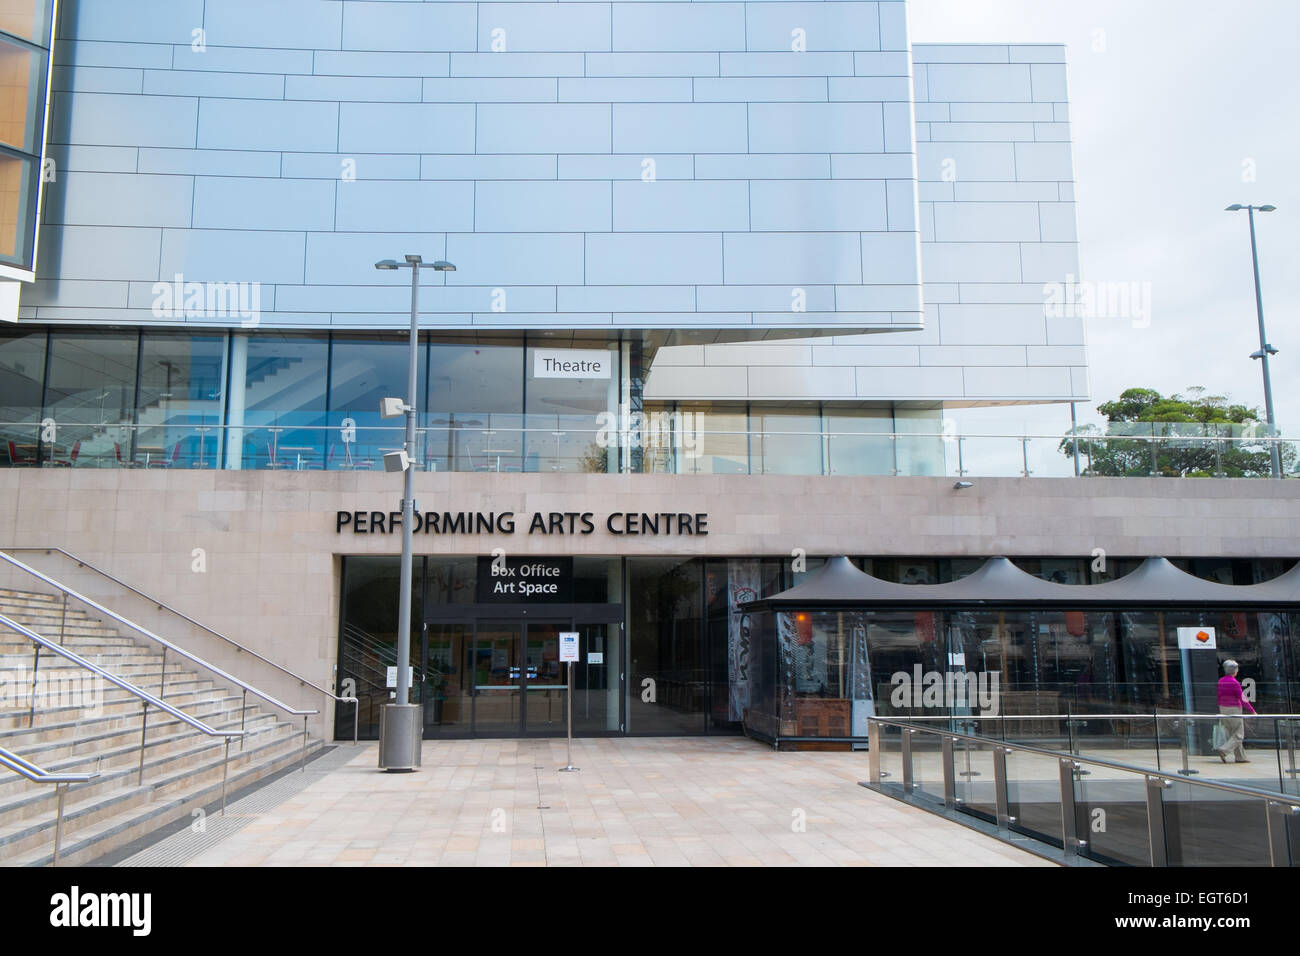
170 460
121 461
17 460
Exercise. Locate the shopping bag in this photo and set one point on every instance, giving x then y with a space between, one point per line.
1219 736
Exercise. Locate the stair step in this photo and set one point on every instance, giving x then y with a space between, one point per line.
99 829
159 767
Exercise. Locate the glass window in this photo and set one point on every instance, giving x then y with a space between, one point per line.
90 395
368 645
714 439
285 400
860 441
475 406
363 370
180 403
22 379
666 678
26 19
921 449
787 442
562 417
16 201
21 74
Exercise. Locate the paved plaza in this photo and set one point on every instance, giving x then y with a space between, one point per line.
635 802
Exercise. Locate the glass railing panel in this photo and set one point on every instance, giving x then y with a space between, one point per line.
974 780
1210 827
1034 795
927 764
1112 815
1287 736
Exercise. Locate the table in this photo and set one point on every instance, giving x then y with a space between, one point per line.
299 449
499 452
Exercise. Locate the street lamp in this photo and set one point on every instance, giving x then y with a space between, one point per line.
401 729
1265 350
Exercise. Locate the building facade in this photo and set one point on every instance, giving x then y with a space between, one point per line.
722 271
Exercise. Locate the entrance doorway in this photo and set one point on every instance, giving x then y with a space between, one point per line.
501 676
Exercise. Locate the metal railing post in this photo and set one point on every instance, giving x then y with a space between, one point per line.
906 742
162 681
304 743
949 773
36 669
60 791
874 743
144 728
225 776
243 711
356 719
1000 799
1156 787
63 617
1069 811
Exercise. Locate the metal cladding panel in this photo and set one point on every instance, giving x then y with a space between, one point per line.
693 162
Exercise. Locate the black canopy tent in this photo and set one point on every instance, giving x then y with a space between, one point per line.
1156 583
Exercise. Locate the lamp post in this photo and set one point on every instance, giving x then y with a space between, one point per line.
1265 350
400 729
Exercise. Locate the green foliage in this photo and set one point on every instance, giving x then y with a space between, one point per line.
1179 436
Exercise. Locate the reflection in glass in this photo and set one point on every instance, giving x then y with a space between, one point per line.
475 404
22 378
15 186
562 417
90 394
25 18
787 442
860 441
180 399
364 370
20 94
284 401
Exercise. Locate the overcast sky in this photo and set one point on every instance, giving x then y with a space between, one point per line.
1169 98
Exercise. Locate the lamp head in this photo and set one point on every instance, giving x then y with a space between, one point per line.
443 266
1269 208
1235 207
414 260
386 265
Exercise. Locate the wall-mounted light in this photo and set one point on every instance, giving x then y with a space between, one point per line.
963 485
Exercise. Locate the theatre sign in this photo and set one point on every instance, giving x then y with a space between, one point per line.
662 523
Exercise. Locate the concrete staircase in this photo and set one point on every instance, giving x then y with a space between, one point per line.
94 726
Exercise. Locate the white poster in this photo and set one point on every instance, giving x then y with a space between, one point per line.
744 578
1191 638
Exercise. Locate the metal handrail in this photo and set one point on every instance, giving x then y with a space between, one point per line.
1079 758
123 684
1128 716
61 783
1156 782
185 617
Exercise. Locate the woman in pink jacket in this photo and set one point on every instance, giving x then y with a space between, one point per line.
1232 704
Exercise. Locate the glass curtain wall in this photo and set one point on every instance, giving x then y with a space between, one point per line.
563 415
180 401
24 66
22 384
475 406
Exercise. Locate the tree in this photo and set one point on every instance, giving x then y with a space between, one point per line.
1179 436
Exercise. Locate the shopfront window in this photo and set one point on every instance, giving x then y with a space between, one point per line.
28 19
667 686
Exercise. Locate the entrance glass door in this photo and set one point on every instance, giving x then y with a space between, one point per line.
447 678
545 688
498 678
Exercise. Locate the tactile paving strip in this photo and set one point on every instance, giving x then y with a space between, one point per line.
186 844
